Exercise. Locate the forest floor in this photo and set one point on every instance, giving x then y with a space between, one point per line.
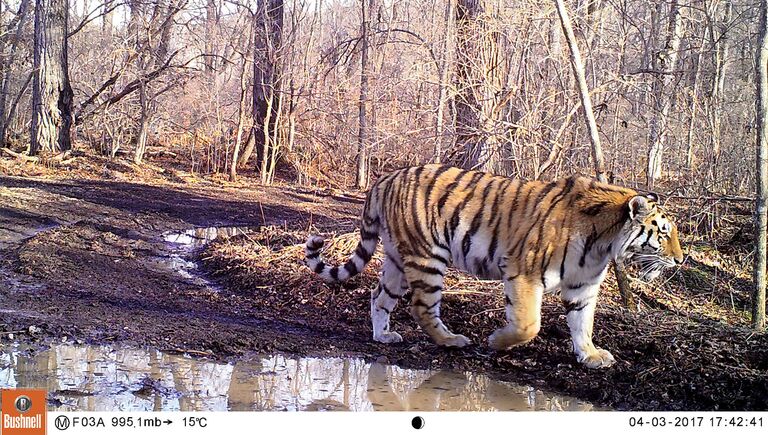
83 256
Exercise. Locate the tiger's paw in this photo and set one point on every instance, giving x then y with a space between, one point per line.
388 337
455 340
599 359
508 337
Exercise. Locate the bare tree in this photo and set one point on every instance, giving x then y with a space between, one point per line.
363 137
665 63
479 86
594 137
51 91
761 204
586 102
720 41
8 61
443 80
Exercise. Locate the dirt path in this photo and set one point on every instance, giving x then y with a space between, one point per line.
86 260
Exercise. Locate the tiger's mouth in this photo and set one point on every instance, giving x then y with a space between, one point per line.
649 266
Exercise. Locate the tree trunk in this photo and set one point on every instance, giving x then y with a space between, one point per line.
266 84
694 101
586 101
480 84
761 203
443 82
361 177
663 93
241 116
625 289
141 140
51 91
8 63
718 83
211 24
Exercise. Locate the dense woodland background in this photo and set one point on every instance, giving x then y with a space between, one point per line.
333 93
482 83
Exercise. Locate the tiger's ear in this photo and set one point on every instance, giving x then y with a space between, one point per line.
652 196
639 205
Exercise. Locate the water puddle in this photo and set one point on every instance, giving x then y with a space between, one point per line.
184 244
104 378
199 237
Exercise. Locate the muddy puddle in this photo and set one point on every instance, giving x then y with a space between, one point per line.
105 378
183 245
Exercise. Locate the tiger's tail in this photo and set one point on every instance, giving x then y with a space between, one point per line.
369 238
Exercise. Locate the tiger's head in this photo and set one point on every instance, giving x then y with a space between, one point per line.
651 237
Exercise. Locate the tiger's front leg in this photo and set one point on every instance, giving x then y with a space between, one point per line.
580 303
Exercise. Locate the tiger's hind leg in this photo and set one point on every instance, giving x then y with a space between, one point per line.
523 308
384 298
425 277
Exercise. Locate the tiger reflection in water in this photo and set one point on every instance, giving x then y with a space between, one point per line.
390 390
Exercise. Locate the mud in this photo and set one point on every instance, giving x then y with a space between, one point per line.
95 262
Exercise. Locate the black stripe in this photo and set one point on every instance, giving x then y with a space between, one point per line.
507 301
315 246
414 210
389 293
397 265
424 269
575 286
648 239
565 253
595 209
547 188
466 244
574 306
495 215
428 191
368 235
591 239
454 220
419 303
319 267
522 215
642 231
313 255
545 264
440 258
351 268
335 273
542 219
419 284
362 253
449 190
418 240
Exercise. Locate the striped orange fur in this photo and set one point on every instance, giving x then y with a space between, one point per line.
536 236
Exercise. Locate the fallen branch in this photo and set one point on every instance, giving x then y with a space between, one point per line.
160 153
21 156
713 198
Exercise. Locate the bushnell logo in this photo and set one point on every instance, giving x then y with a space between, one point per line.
24 412
23 404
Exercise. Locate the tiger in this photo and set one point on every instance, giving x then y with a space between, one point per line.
537 237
